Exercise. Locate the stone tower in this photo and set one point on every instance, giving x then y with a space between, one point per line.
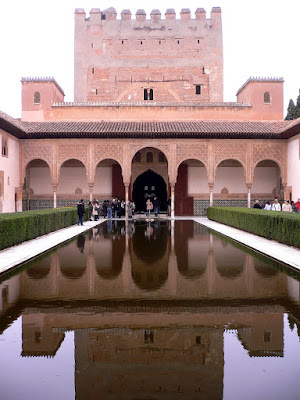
163 60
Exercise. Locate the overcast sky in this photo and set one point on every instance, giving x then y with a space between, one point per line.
260 38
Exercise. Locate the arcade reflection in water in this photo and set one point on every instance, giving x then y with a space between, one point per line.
149 304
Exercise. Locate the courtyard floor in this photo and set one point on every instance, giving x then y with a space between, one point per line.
13 256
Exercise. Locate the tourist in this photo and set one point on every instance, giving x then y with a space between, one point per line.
169 206
95 210
119 209
109 209
133 207
267 206
80 211
104 209
149 207
257 205
123 208
156 206
298 204
276 205
129 209
294 207
90 210
286 206
114 207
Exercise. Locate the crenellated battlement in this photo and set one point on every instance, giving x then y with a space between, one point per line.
110 14
126 57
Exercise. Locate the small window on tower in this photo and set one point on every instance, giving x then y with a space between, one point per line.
141 42
198 89
93 70
148 94
198 41
267 97
36 98
103 16
96 91
178 41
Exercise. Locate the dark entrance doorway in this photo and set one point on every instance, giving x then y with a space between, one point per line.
149 184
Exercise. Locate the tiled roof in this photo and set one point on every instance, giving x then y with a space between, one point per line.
178 129
11 125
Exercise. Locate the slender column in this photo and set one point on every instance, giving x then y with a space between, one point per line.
249 195
126 199
285 191
211 195
172 200
91 187
54 196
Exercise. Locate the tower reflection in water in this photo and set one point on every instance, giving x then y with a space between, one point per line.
149 304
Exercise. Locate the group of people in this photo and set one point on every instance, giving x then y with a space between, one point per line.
276 206
153 205
114 208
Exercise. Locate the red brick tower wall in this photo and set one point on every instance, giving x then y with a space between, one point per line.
116 60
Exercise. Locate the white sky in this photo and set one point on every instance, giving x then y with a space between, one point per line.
260 38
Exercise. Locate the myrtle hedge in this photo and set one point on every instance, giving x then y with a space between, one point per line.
16 228
281 226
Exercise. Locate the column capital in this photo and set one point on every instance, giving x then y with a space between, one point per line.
211 185
249 184
54 185
172 184
126 184
91 185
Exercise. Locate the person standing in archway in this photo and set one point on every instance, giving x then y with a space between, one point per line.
156 205
149 207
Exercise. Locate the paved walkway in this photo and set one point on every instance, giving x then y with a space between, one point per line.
16 255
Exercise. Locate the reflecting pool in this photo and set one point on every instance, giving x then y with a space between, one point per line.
150 310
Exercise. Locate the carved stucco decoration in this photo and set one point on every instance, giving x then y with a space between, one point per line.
270 151
165 148
73 152
192 151
36 151
158 169
226 151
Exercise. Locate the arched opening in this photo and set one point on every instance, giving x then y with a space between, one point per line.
149 177
150 268
37 190
230 184
72 183
191 189
229 260
40 269
267 182
108 180
72 260
109 251
191 250
148 185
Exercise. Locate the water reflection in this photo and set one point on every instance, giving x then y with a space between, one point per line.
150 304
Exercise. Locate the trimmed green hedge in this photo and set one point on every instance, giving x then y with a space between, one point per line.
281 226
16 228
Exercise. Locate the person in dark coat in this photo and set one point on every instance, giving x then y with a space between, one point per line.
156 206
257 205
90 210
104 209
80 212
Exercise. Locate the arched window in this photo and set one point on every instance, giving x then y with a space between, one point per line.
161 157
137 157
267 97
37 98
149 157
4 147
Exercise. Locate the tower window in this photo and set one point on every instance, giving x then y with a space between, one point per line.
92 45
178 41
122 41
93 70
149 157
96 91
198 41
141 42
37 98
103 16
267 97
198 89
4 147
148 94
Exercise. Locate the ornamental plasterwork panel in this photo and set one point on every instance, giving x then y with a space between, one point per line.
158 169
76 151
268 151
165 148
236 151
192 151
109 151
37 151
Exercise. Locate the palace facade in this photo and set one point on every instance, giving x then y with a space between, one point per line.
148 117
